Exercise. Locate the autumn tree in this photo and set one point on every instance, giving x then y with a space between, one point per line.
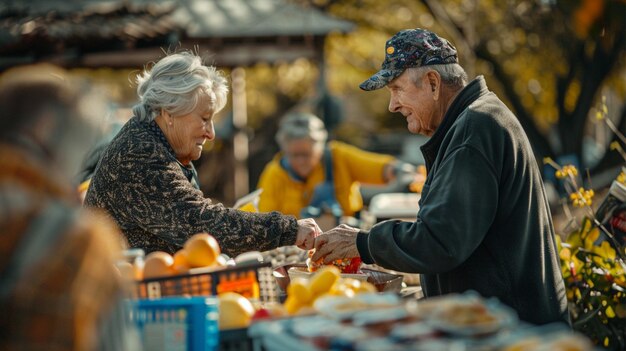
550 60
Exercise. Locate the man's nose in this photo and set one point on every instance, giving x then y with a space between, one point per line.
393 105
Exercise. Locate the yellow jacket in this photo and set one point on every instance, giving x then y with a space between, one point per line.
351 166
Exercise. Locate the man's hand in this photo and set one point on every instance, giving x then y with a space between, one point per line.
337 243
307 232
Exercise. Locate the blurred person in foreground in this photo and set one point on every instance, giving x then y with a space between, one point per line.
146 179
311 175
484 223
59 289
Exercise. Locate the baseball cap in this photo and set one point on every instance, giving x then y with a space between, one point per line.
411 48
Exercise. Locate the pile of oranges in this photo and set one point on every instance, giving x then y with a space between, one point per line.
200 250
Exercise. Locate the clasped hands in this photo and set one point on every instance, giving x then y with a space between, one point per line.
337 243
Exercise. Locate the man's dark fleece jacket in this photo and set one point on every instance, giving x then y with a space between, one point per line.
484 223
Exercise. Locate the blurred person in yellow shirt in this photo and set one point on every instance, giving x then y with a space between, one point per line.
311 175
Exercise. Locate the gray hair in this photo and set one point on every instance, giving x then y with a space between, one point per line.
452 74
175 84
301 125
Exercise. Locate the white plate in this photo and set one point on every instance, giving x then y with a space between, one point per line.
342 307
499 317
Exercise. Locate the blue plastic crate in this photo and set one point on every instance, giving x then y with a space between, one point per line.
177 323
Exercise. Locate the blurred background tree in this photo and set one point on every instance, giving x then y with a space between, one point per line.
550 60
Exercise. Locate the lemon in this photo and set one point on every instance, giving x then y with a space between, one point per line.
292 304
235 311
341 289
324 279
366 287
299 289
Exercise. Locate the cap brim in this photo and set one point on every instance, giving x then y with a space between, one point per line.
380 79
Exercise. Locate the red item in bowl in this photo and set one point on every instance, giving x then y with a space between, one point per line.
346 265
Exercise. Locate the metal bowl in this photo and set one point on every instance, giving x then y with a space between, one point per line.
381 280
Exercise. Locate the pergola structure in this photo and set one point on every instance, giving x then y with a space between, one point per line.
130 33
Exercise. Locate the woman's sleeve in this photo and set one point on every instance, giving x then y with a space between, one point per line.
166 205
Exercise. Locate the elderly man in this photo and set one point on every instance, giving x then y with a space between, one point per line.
484 223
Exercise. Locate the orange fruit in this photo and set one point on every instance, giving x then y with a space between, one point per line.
138 269
202 250
158 264
235 311
180 261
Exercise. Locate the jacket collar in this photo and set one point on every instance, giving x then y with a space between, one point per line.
158 134
466 96
189 171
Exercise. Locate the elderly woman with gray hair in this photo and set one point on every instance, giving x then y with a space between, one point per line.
146 180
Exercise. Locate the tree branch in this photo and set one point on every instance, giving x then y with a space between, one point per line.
466 46
538 141
612 159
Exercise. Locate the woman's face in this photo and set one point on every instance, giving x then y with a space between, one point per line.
303 155
188 133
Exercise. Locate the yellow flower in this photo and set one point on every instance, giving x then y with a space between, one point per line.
604 250
582 197
609 312
621 178
575 267
565 254
575 240
599 116
591 237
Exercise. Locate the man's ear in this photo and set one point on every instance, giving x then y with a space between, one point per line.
434 80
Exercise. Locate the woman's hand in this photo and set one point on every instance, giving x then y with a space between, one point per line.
337 243
308 230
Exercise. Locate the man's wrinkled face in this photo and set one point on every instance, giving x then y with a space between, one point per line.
414 102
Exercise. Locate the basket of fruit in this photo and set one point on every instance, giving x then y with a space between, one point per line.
199 269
